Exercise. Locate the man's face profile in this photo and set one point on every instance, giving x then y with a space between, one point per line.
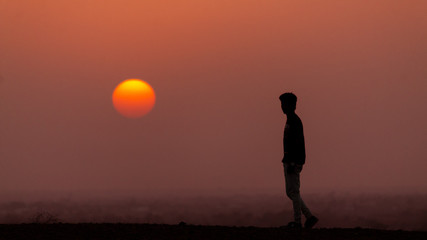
285 107
288 101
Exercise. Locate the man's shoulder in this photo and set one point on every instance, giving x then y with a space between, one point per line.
294 119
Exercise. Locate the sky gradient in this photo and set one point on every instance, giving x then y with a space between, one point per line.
218 68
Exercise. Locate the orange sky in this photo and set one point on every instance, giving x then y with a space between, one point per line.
218 67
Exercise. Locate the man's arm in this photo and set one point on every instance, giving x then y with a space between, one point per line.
294 147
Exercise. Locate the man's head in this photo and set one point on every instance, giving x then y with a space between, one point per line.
289 102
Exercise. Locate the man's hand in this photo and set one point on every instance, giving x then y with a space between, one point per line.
294 168
290 169
284 157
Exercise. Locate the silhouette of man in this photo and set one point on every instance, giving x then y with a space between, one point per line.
293 160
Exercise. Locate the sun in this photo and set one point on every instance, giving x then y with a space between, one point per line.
133 98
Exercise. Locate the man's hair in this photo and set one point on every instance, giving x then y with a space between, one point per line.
289 98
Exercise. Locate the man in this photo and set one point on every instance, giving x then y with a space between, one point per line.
293 160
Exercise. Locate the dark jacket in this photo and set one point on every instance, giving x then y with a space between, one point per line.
293 140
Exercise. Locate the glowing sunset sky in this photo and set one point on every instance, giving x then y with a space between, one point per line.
218 67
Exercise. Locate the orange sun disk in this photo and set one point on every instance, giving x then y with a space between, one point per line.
133 98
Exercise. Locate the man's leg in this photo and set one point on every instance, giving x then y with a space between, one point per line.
292 191
305 210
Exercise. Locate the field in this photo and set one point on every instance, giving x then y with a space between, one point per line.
375 216
382 212
189 232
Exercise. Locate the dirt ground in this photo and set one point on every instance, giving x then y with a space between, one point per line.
189 232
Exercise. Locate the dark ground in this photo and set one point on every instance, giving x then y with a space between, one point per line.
375 211
189 232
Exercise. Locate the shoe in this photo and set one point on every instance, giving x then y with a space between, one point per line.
294 225
310 222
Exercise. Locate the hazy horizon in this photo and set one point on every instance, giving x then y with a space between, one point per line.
378 211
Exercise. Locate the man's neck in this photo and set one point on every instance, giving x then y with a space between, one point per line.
290 113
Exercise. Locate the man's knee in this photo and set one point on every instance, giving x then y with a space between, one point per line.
292 193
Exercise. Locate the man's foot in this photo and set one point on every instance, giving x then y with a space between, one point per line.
310 222
294 225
